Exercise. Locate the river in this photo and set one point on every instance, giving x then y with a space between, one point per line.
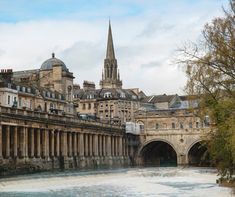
131 182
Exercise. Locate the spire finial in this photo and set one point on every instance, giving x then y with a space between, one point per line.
110 49
53 55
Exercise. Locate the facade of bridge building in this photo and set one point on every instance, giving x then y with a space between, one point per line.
170 136
39 141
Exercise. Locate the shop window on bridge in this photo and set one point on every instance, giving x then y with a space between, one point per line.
190 125
173 125
197 124
181 125
206 121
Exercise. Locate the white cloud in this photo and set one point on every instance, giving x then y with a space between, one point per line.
145 45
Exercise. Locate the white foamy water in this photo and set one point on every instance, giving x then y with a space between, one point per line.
132 182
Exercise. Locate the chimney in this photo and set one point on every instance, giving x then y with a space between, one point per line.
88 85
6 75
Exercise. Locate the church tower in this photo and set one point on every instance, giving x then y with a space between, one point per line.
110 75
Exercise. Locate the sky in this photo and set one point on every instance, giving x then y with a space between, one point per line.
146 35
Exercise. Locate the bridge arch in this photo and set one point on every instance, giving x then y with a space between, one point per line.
158 152
197 154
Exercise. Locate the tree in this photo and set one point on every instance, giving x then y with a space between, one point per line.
210 69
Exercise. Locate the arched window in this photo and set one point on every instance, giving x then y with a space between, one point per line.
173 125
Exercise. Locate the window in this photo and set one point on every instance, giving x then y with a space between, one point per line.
123 95
29 90
8 99
197 124
20 102
89 106
173 125
190 125
107 95
157 126
181 125
84 106
23 89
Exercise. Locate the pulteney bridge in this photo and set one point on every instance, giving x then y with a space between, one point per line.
170 138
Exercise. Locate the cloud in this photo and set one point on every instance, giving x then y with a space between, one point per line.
146 35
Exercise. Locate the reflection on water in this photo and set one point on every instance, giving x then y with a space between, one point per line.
130 182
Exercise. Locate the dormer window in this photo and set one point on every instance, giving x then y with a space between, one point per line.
18 88
29 90
90 96
23 89
122 95
134 97
108 95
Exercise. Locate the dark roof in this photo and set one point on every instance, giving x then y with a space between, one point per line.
48 64
159 98
99 94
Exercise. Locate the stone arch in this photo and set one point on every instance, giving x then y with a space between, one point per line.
196 154
158 152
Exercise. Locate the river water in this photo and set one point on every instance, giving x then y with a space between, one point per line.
131 182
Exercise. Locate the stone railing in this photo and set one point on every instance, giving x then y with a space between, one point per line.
55 117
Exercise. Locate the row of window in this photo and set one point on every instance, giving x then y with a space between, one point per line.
181 125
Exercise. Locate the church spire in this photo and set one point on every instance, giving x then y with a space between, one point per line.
110 78
110 49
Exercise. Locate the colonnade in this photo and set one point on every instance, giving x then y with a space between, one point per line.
29 142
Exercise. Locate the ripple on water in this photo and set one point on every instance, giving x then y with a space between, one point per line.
135 182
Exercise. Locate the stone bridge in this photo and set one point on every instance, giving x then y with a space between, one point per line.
171 147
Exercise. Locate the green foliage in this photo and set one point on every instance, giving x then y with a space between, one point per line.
210 68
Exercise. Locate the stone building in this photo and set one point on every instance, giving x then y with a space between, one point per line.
110 103
48 89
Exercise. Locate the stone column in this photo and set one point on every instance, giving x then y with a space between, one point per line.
32 142
96 147
113 145
81 143
90 145
70 144
124 147
100 152
120 146
65 147
104 145
26 141
75 144
7 141
57 143
78 144
52 142
44 143
15 151
109 146
38 142
116 148
86 144
22 141
0 141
